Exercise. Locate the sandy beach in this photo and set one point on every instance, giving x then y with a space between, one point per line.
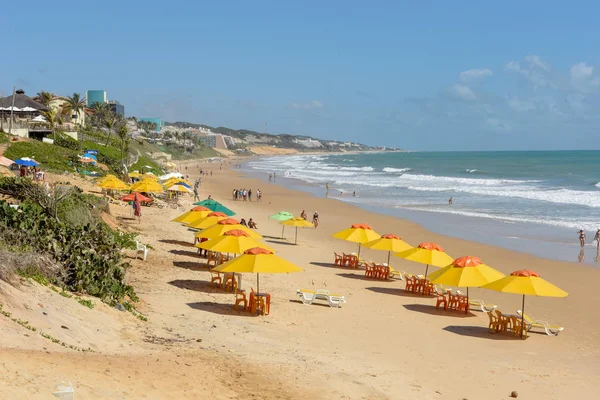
382 344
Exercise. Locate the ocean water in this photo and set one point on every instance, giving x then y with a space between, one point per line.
529 201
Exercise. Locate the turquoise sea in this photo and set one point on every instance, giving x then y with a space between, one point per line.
532 201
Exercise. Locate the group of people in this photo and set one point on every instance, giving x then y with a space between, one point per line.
250 224
34 172
582 238
315 218
246 195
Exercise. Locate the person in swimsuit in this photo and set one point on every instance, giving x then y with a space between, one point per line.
303 214
582 237
315 219
597 239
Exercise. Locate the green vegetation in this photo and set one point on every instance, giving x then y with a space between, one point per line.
53 158
87 251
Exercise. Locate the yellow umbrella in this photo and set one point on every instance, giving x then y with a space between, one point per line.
193 215
226 225
525 282
107 177
148 186
358 233
134 174
297 222
205 222
466 272
390 243
235 241
258 260
177 187
170 182
150 175
427 253
113 183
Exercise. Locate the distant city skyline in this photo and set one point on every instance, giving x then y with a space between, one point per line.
439 76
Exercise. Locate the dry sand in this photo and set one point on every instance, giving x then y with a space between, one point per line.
383 344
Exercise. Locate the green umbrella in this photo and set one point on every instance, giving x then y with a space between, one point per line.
215 206
282 216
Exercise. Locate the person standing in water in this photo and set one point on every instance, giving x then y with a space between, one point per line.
582 237
450 201
597 239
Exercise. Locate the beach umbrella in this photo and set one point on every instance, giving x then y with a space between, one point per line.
140 197
297 222
105 178
148 186
390 243
193 215
208 221
467 271
427 253
178 187
7 162
282 216
258 260
235 241
27 162
226 225
525 282
150 175
175 181
134 174
39 118
358 233
215 206
113 184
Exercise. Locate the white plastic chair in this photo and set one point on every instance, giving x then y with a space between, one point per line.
141 248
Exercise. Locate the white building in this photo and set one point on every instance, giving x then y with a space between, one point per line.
311 143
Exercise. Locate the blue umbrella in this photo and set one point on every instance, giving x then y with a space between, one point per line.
28 162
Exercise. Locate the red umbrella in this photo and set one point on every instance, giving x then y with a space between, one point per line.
136 196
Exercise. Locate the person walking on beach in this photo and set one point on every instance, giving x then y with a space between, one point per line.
582 237
137 209
270 177
597 239
196 198
303 215
315 219
249 194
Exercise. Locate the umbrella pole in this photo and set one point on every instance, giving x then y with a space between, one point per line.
427 269
296 238
389 254
467 307
282 229
522 316
359 250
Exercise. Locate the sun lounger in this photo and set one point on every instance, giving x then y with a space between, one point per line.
308 296
479 304
553 330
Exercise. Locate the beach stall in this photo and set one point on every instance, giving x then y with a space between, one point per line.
467 271
215 206
297 222
528 283
427 253
281 216
257 260
357 233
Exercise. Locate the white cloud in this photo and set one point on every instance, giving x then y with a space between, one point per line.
475 74
583 79
315 104
534 69
462 92
520 105
536 61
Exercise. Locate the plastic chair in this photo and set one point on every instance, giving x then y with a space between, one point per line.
339 260
494 326
463 304
441 300
212 259
215 278
141 248
411 283
370 271
240 298
231 283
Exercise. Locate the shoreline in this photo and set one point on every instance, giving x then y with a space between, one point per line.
529 237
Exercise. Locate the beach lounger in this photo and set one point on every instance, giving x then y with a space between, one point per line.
308 296
141 248
479 304
552 330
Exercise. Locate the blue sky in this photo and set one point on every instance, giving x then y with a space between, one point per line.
439 75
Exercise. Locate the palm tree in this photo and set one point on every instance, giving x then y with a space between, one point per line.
45 98
110 119
74 105
123 132
52 119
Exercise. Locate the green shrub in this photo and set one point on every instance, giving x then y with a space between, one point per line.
50 157
67 142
